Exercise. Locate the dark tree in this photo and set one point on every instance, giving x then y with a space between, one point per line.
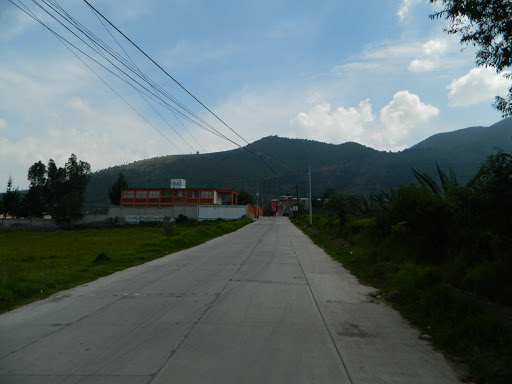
37 174
58 190
114 192
491 192
337 204
34 203
69 187
10 199
245 197
486 24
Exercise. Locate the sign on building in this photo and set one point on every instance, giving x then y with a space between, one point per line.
178 184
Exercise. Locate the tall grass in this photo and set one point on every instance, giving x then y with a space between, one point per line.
34 265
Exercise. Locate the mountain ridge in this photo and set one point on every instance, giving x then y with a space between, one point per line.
349 166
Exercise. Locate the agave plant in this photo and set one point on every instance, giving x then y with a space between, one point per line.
448 182
383 199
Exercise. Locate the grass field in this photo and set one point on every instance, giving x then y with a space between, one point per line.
35 265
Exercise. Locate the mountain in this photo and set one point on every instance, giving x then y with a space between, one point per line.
279 165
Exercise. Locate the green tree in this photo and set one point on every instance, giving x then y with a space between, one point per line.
71 183
58 190
245 197
337 204
114 191
486 24
10 199
34 203
491 192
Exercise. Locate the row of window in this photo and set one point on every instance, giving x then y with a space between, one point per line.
166 193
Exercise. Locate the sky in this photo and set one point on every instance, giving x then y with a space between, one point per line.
377 72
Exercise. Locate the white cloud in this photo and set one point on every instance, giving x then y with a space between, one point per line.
405 7
401 115
79 105
55 112
338 126
253 113
430 58
401 123
103 139
479 84
383 57
14 23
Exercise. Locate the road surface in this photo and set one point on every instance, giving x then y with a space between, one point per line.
261 305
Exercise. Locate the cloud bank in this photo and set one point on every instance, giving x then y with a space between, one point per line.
397 121
478 85
430 58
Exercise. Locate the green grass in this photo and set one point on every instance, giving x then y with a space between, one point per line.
35 265
457 323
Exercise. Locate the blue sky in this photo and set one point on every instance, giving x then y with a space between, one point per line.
378 72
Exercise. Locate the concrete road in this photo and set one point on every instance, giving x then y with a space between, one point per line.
261 305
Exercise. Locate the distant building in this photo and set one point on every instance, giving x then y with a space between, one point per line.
286 205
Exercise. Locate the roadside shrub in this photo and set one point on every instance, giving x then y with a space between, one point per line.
490 279
418 217
169 227
356 225
182 219
101 258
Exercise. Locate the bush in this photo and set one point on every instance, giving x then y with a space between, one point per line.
101 258
169 227
182 219
421 219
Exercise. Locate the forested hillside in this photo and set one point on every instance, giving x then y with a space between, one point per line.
350 166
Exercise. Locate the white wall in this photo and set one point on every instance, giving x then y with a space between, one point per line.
226 212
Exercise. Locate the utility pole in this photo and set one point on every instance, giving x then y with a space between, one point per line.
298 200
310 200
257 201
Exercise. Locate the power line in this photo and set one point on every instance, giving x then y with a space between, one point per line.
129 58
164 71
137 72
129 80
179 84
64 41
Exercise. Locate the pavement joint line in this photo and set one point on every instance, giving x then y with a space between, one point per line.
173 352
121 297
273 326
321 314
269 282
66 325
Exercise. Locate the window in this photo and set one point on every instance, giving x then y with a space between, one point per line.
154 194
206 194
140 194
192 194
128 194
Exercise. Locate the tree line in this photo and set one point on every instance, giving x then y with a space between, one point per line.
53 190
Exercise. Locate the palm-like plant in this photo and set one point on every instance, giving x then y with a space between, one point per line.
448 182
